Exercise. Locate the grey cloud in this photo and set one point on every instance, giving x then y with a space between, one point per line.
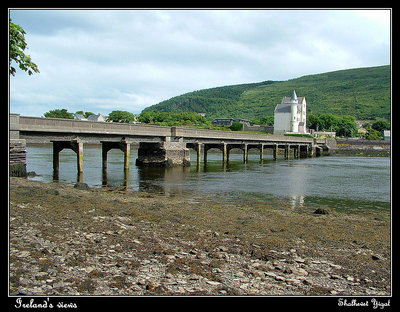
130 58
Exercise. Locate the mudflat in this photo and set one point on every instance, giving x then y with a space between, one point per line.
109 241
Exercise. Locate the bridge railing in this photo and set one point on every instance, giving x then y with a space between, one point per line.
229 135
40 124
27 123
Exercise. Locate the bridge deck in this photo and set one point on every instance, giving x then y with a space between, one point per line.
31 127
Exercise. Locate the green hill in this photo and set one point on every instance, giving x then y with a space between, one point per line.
361 92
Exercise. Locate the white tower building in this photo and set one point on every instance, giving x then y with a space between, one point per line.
294 122
290 115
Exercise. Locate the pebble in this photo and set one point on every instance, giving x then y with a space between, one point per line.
213 283
299 260
299 271
280 278
293 281
271 274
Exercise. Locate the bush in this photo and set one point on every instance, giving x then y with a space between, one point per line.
121 116
236 126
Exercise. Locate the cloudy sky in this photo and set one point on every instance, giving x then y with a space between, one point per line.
105 60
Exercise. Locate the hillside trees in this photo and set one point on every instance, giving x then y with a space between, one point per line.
360 92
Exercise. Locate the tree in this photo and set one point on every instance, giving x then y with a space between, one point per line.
381 125
87 114
346 126
170 119
313 122
343 125
267 120
59 113
121 116
17 46
373 134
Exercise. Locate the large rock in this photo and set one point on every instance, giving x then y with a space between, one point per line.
321 211
81 186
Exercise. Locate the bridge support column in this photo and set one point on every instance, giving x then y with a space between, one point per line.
225 158
310 150
245 153
76 145
297 151
122 145
198 150
261 152
287 151
275 151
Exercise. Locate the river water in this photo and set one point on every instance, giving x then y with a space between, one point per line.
338 182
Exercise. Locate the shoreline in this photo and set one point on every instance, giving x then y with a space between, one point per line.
67 241
363 148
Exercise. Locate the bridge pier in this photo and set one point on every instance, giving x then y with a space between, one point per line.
287 151
223 147
245 153
224 153
122 145
303 151
261 152
76 145
275 151
297 151
163 154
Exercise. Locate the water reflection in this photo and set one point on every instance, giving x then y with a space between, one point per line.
296 201
105 182
167 181
56 176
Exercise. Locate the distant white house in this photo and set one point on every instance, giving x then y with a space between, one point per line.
98 117
79 117
386 134
290 115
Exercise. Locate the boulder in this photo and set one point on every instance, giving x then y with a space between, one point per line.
81 186
321 211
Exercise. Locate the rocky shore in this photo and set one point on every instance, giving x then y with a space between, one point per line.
65 240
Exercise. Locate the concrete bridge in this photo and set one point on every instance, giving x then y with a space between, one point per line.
158 146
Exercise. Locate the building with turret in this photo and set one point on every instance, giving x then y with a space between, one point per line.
290 115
